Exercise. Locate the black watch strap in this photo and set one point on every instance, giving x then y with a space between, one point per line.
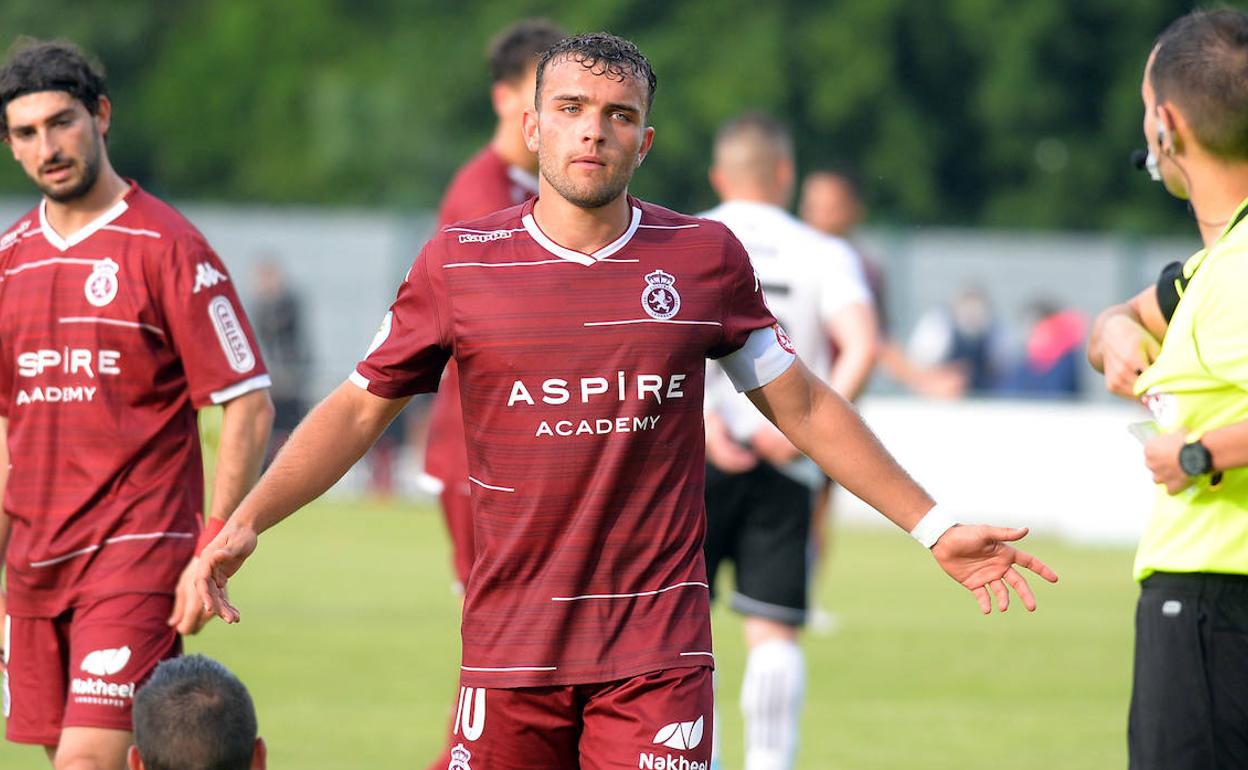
1195 459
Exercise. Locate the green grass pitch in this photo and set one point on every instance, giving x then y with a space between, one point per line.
349 643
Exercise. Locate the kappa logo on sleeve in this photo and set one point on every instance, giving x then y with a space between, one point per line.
207 276
231 336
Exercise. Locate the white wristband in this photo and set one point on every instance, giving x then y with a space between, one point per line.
934 523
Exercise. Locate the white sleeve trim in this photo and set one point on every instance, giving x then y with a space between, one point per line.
241 388
359 380
759 361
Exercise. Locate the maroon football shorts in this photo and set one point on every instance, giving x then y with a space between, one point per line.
656 721
81 668
456 499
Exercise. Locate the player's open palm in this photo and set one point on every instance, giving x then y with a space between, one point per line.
981 558
217 564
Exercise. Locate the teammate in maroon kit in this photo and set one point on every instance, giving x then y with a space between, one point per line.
117 322
581 322
502 174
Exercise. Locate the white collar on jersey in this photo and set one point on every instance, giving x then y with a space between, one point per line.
84 232
523 178
580 257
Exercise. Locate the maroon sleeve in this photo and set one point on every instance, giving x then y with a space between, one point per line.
208 327
743 307
475 193
412 346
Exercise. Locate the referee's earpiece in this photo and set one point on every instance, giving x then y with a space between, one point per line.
1163 135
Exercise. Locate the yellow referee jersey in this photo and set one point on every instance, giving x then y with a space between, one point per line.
1200 382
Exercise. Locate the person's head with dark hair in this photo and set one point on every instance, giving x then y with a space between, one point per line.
514 52
513 55
830 202
52 65
603 54
752 159
193 714
55 114
1195 93
588 123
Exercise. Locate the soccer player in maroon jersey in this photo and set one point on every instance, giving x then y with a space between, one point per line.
502 174
117 322
581 322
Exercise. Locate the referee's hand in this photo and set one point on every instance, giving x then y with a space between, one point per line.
981 559
1127 349
220 559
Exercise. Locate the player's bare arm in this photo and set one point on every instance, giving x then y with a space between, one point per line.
246 423
332 438
1126 339
829 431
855 331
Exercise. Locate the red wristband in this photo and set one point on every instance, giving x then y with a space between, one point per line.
212 526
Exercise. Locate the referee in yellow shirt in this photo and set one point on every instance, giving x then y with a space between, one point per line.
1182 348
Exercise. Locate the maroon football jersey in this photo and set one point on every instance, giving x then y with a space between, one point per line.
485 184
582 381
109 342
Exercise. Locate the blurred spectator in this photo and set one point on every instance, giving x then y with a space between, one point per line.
1053 353
831 204
957 349
193 714
278 320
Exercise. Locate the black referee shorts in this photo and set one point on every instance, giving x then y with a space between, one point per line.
1189 703
760 520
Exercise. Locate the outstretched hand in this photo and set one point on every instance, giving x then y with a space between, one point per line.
188 616
981 558
217 564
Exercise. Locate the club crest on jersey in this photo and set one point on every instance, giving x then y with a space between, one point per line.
659 299
101 287
460 757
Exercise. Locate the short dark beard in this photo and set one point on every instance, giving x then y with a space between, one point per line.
593 199
90 175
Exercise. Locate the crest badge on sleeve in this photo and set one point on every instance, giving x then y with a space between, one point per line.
659 299
101 287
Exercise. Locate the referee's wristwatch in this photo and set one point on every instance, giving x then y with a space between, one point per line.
1194 459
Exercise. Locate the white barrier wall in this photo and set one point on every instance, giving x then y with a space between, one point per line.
1071 470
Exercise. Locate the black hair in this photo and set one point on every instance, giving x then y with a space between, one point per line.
193 714
50 65
1201 65
602 54
517 47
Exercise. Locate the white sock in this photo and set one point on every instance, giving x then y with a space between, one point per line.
771 701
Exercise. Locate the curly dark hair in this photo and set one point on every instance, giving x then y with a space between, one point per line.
513 50
50 65
1201 65
603 54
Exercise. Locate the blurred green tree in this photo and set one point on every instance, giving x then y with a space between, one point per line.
966 112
